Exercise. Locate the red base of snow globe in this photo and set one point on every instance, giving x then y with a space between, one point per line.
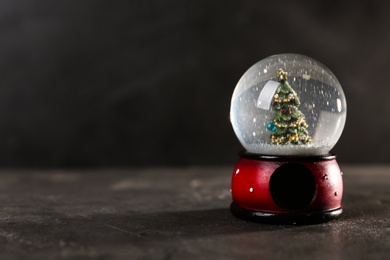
287 189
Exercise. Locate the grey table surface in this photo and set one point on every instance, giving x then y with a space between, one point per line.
177 213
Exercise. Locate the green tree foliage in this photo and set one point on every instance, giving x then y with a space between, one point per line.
288 124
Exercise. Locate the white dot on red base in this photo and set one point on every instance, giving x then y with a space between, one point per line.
250 189
238 170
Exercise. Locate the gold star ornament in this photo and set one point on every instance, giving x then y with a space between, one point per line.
282 76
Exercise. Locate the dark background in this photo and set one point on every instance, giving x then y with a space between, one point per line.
148 83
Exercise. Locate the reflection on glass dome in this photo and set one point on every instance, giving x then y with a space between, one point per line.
288 104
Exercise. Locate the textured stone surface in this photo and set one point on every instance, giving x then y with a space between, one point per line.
175 214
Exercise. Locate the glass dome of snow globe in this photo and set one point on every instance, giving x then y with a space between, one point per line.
288 105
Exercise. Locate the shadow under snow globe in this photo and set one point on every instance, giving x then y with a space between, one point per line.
288 111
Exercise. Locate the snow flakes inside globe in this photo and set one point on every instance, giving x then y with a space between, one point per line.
288 104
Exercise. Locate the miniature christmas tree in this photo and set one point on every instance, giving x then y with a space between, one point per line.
288 124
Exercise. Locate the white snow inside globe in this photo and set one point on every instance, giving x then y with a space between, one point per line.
288 104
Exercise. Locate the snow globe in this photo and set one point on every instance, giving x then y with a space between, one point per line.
288 111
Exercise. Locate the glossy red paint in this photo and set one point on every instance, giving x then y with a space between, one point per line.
250 186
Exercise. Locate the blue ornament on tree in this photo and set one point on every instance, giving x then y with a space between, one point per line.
271 127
